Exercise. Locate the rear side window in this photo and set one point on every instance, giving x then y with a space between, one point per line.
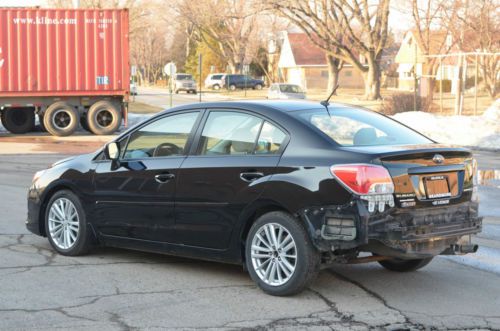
270 140
216 77
229 133
358 127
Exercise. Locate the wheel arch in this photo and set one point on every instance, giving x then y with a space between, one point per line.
251 214
44 200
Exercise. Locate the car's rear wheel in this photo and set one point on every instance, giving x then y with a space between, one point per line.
216 87
258 87
232 87
280 256
401 265
66 225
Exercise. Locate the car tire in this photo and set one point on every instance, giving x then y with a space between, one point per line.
61 119
274 279
258 87
400 265
67 234
104 118
232 87
18 120
216 87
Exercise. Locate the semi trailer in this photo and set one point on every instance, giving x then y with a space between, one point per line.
68 67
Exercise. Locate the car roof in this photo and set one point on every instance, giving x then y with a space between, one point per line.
277 105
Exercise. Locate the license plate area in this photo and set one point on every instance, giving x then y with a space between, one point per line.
437 187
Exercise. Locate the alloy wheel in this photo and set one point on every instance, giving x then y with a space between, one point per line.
64 223
274 254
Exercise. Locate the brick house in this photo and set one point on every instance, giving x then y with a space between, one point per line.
302 62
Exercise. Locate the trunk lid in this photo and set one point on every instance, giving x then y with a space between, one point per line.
425 175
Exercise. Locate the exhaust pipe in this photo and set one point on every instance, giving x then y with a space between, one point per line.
465 249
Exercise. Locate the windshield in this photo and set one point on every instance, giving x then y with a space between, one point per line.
184 77
216 76
358 127
290 88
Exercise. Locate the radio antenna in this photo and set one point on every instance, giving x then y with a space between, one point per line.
326 102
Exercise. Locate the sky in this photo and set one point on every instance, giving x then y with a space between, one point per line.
397 20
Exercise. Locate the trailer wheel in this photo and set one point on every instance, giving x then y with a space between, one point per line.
104 117
84 124
40 121
60 119
18 120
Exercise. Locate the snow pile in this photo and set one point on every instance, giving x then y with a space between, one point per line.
486 258
473 131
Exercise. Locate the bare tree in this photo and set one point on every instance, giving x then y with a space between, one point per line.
482 34
231 23
362 25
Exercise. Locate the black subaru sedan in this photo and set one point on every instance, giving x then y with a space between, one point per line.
283 188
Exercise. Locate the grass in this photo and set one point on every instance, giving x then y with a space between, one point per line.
142 108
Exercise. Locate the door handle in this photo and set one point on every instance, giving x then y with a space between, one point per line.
163 178
250 176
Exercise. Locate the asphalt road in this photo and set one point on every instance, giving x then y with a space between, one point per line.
112 289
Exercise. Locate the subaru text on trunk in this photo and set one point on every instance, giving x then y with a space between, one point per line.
281 187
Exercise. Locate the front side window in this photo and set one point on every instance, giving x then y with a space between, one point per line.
230 133
357 127
166 136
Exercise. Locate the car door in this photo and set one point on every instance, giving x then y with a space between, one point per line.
236 151
136 199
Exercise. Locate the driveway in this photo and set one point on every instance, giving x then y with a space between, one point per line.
112 289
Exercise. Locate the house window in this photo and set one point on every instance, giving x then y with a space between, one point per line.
324 73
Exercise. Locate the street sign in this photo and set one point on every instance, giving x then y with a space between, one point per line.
170 69
133 70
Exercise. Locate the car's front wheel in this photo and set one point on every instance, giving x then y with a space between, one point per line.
401 265
280 256
66 225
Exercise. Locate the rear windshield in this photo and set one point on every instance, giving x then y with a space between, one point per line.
184 77
289 88
358 127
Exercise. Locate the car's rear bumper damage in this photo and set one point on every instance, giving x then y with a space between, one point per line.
397 232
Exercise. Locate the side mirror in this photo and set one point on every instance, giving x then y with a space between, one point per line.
113 151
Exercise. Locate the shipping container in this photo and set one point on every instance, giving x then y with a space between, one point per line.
64 65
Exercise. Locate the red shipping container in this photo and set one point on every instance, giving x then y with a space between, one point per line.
63 52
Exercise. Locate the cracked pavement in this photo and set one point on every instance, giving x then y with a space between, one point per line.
112 289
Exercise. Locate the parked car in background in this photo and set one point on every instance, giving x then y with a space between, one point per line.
283 187
57 72
285 91
184 82
233 82
214 81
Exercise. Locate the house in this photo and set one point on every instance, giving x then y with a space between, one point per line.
302 62
411 57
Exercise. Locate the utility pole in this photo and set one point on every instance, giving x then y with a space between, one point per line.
200 61
475 85
415 81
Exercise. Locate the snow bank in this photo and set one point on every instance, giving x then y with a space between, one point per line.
473 131
486 258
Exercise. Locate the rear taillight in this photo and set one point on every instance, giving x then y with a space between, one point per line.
372 183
